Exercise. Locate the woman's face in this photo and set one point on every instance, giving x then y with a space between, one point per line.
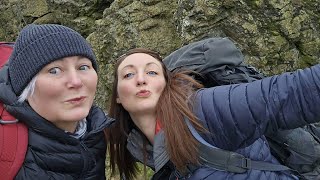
140 83
64 91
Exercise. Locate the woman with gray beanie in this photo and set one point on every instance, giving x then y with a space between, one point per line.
50 84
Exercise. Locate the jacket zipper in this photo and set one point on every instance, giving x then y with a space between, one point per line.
84 151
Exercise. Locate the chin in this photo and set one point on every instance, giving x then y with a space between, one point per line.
76 115
75 118
143 109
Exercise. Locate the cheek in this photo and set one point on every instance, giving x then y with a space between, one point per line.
160 86
44 96
92 82
123 90
46 91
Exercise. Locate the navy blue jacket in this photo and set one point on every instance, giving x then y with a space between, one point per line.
237 117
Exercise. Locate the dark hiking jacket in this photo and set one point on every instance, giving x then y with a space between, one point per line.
52 153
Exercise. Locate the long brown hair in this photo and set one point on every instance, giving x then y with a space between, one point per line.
173 106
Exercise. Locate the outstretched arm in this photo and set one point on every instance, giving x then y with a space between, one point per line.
237 115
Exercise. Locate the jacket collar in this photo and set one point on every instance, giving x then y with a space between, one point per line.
156 154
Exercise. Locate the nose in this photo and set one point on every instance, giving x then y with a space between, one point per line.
74 80
141 80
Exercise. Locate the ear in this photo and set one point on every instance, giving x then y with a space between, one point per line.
118 100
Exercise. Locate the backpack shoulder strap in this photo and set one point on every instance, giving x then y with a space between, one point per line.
5 51
13 134
227 160
13 144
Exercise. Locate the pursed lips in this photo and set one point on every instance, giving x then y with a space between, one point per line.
143 93
76 100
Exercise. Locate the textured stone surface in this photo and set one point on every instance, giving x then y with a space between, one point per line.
275 36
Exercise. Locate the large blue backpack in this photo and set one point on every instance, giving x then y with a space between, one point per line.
217 61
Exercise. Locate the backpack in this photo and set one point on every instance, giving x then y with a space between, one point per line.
13 134
217 61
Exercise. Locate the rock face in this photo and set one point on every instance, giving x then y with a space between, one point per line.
275 36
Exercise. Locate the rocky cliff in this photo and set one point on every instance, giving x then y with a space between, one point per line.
274 35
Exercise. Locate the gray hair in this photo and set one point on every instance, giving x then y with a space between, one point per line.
28 91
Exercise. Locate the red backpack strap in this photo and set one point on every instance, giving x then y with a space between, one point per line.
13 148
13 134
13 144
5 51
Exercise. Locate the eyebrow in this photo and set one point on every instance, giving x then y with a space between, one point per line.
148 64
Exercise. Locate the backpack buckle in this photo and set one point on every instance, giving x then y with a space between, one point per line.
8 122
246 163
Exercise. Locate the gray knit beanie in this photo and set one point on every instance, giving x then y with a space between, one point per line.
39 45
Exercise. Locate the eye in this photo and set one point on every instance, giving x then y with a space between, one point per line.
54 70
128 75
152 73
84 67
